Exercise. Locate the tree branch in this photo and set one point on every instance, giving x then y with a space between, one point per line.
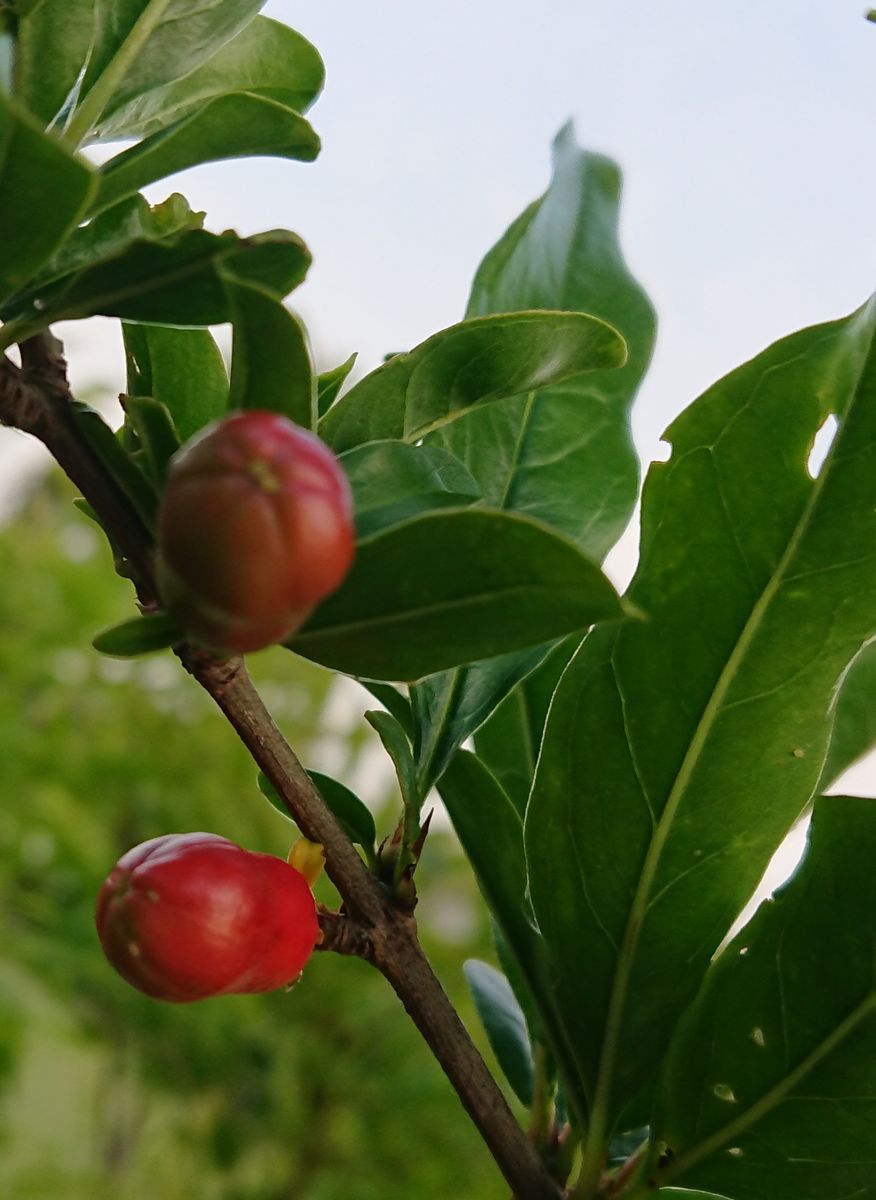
35 398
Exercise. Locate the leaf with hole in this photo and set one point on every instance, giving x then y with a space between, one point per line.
679 751
771 1084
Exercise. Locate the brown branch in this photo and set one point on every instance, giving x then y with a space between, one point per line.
35 398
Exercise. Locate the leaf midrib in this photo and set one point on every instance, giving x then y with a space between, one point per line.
774 1096
639 906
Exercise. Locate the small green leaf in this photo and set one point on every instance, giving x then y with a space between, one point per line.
392 481
181 368
329 384
351 814
392 700
450 706
477 361
450 587
141 635
270 360
44 191
397 746
156 433
504 1024
266 58
123 469
237 126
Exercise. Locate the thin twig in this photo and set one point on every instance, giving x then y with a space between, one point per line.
35 398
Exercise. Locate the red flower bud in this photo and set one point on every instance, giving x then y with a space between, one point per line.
192 915
255 528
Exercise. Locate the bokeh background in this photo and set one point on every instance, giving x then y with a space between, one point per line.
745 132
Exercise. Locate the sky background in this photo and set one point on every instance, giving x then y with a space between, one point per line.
744 131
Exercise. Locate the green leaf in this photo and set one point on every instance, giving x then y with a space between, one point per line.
181 368
156 433
392 481
565 454
176 281
449 587
55 39
396 744
392 700
504 1024
854 726
771 1085
468 364
270 361
126 48
113 231
44 191
118 463
141 635
329 384
351 814
508 743
266 59
236 126
450 706
679 751
491 833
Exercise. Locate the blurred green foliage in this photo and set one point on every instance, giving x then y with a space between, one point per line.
326 1093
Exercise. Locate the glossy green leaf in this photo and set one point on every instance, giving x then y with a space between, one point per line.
491 832
237 126
266 59
397 746
44 190
181 368
270 360
679 751
329 384
450 706
449 587
55 39
176 281
770 1092
392 481
392 700
140 635
84 58
504 1024
564 454
854 726
468 364
156 433
508 743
